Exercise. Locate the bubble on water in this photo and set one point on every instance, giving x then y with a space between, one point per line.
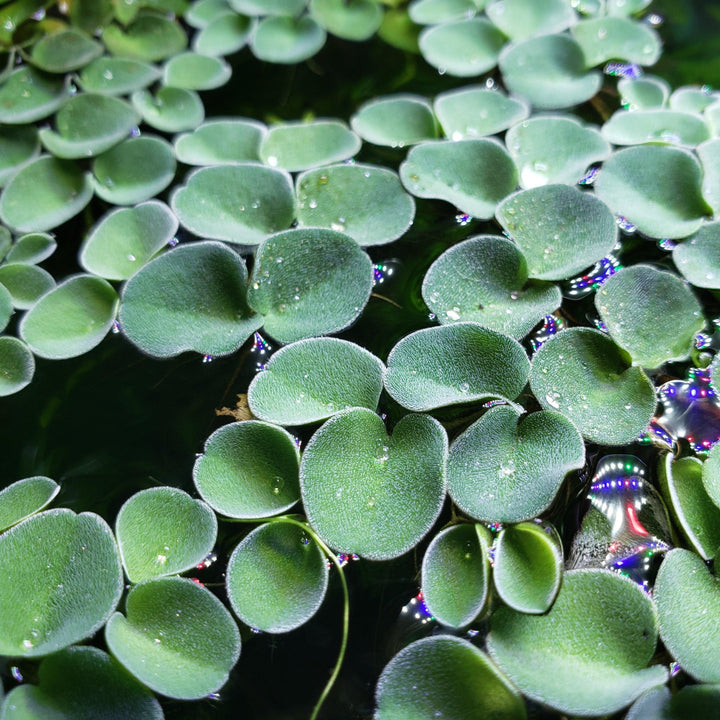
17 675
625 225
135 132
207 359
463 219
115 329
666 244
385 270
582 285
654 20
590 176
550 326
173 242
260 351
623 70
464 387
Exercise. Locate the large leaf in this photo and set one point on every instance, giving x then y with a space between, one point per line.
224 35
24 498
194 71
63 51
287 40
521 19
657 126
615 38
27 95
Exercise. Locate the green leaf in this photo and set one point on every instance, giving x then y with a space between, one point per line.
348 19
170 109
560 230
711 474
64 51
456 574
117 76
446 675
484 279
150 37
18 144
475 111
709 154
127 238
17 365
193 71
643 93
31 249
224 35
303 145
452 364
190 298
631 301
395 120
554 149
203 12
582 373
549 71
269 7
399 31
634 183
219 142
5 241
133 171
473 175
521 19
434 12
276 577
163 531
71 319
44 194
240 203
691 99
624 8
691 701
25 283
82 682
688 604
598 638
528 567
507 467
287 40
6 307
177 638
89 124
616 38
656 126
28 95
308 282
693 510
63 580
312 379
463 48
24 498
249 470
368 493
366 202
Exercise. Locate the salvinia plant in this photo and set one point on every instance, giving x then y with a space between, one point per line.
554 356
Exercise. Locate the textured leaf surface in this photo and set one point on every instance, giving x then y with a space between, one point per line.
28 95
63 51
287 40
348 19
698 257
17 365
24 498
194 71
657 126
521 19
31 249
395 120
150 37
18 144
25 283
616 38
170 109
218 142
117 76
690 701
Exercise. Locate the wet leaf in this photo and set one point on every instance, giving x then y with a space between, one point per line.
643 93
170 109
28 95
24 498
117 76
395 120
434 12
617 38
656 126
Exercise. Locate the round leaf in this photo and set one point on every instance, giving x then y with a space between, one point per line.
178 638
276 578
350 20
587 377
31 249
27 95
598 638
6 306
367 493
308 282
240 203
171 109
691 701
25 283
190 298
506 467
691 99
117 76
288 40
25 498
269 7
452 364
395 120
656 126
17 365
616 38
434 12
64 51
643 93
18 144
364 201
312 379
249 470
473 175
225 34
203 12
521 19
63 580
193 71
219 142
149 37
44 194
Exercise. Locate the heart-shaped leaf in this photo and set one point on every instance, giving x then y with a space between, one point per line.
203 12
117 76
521 19
225 34
25 283
287 40
709 154
276 577
616 38
150 37
657 126
643 93
170 109
31 249
27 95
367 493
219 142
24 498
63 51
193 71
348 19
395 120
434 12
17 365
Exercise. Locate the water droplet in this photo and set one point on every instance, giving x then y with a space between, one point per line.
592 279
17 675
272 161
453 314
464 387
312 204
507 469
276 485
553 399
207 358
131 258
370 502
322 180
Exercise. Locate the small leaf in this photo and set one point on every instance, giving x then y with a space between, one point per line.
688 603
117 76
506 467
452 364
456 574
193 71
150 37
269 7
223 35
18 144
308 282
276 578
473 175
690 701
17 365
711 474
691 99
249 470
71 319
395 120
178 638
348 19
6 307
127 238
582 373
446 675
303 145
616 38
203 12
434 12
25 283
528 567
633 182
623 8
44 194
191 298
549 71
521 19
287 40
63 580
368 493
239 203
709 153
629 303
366 202
170 109
484 279
643 93
27 95
24 498
655 126
163 531
64 51
31 249
598 638
219 142
312 379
